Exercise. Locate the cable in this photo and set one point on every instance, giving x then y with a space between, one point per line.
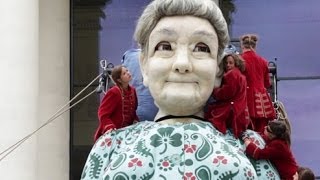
53 117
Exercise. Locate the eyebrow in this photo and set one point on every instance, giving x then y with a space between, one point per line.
204 33
167 31
172 32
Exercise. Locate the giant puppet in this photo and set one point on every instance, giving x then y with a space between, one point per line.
181 42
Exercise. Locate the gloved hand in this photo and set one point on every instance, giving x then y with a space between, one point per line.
244 136
108 128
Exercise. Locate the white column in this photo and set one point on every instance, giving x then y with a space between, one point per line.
19 86
54 48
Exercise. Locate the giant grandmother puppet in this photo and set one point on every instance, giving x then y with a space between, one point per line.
181 43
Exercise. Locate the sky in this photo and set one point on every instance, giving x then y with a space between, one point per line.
288 30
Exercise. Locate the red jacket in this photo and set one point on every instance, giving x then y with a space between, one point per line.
117 109
279 153
231 105
258 80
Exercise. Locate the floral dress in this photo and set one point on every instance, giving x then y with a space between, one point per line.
149 150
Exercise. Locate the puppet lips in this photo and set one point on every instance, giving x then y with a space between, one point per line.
181 85
182 82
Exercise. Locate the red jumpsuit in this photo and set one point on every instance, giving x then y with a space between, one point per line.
279 153
230 110
117 109
260 106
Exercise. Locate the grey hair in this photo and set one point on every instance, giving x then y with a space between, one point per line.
206 9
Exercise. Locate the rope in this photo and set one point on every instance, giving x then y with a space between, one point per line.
58 113
282 114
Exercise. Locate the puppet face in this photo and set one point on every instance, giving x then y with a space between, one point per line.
181 64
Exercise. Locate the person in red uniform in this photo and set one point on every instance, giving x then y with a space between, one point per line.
277 149
260 106
118 106
230 109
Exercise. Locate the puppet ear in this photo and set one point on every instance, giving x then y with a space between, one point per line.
219 75
143 68
217 81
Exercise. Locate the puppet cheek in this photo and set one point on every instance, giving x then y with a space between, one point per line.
217 82
145 80
143 68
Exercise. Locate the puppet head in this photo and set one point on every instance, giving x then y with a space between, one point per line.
181 43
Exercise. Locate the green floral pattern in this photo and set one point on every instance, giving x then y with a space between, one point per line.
166 138
149 150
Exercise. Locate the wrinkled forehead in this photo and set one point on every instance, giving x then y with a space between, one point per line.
185 28
193 23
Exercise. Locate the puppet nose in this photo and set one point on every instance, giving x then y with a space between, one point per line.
182 63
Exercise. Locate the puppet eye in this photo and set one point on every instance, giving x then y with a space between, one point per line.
163 46
201 47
